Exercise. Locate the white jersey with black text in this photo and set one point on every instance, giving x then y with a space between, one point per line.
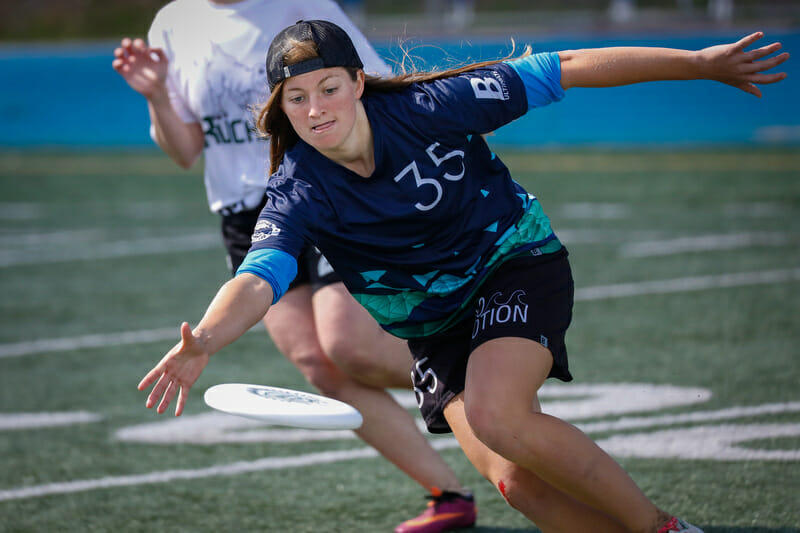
217 75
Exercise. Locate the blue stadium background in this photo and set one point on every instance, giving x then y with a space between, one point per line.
67 95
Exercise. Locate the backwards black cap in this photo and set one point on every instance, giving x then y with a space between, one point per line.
334 46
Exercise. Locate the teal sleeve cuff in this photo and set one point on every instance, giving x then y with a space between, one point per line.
541 75
276 267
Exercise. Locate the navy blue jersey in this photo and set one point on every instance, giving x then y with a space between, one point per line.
413 241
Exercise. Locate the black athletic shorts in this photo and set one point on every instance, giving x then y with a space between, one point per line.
528 296
237 229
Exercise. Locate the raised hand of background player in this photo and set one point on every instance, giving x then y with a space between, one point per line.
732 65
143 67
176 372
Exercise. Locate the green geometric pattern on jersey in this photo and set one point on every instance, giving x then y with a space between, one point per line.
393 310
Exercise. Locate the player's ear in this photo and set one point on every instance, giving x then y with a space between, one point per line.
360 81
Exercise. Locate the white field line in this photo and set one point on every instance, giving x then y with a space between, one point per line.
640 422
21 211
704 243
232 469
619 290
19 421
604 238
280 463
29 240
241 467
595 211
694 283
111 250
711 443
99 340
52 247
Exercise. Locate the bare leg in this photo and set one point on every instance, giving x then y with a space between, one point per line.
551 510
356 343
500 403
387 427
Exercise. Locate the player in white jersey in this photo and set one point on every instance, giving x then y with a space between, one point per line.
202 72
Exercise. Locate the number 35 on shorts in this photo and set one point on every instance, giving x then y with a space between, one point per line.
423 380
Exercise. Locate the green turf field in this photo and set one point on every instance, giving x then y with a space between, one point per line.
685 346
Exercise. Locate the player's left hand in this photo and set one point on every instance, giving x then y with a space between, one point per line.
732 65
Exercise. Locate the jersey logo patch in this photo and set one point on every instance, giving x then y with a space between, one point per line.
264 230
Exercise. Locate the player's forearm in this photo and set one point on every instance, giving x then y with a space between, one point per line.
611 67
240 304
181 141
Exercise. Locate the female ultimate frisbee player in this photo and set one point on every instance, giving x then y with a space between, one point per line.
201 71
392 180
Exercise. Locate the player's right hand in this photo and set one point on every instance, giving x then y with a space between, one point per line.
176 372
143 67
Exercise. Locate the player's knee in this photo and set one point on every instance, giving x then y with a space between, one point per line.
485 420
520 489
319 372
352 358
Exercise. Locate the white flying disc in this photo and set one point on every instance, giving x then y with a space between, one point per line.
283 407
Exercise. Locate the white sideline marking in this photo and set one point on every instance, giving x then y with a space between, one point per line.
712 443
604 238
703 243
695 283
639 445
232 469
88 341
594 211
697 416
568 402
213 427
16 421
21 211
110 250
50 238
619 290
242 467
756 210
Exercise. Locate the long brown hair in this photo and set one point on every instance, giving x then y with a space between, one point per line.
273 123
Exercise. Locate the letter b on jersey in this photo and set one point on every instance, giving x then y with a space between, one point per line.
486 88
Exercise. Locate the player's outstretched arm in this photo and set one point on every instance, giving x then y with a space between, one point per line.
729 63
145 69
238 306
